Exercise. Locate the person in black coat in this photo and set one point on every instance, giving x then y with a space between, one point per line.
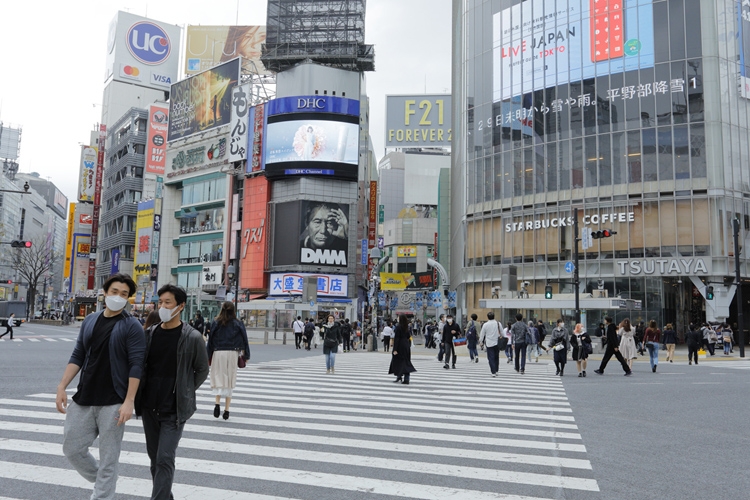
613 349
401 365
451 331
694 341
331 339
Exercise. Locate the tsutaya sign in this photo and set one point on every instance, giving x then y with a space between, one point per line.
605 218
663 267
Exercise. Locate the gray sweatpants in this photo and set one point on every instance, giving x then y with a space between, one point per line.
83 424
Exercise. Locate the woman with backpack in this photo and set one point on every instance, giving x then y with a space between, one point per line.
651 337
227 341
580 341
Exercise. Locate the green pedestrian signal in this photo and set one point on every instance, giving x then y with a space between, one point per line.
548 292
709 293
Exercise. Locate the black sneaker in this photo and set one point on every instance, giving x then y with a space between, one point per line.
599 372
628 374
217 410
446 367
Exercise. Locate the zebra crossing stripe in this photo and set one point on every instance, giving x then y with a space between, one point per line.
437 451
50 340
33 340
495 474
290 476
133 486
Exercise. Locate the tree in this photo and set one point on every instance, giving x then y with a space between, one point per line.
32 264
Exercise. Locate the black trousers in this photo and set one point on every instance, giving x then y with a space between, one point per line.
693 352
608 355
8 329
163 434
493 357
560 357
450 350
298 340
347 342
386 343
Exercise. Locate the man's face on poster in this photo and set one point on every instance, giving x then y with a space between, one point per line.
322 227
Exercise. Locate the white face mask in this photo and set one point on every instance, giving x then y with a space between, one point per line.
165 315
115 303
450 321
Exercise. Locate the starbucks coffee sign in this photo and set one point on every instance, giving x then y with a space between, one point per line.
695 266
601 218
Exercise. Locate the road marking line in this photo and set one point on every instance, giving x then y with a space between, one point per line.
438 469
290 476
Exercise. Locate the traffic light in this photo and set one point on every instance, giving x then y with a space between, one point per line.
709 293
20 244
602 233
548 292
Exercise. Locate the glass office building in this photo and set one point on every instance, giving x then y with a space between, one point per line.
636 112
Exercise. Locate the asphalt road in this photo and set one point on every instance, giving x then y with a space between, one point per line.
673 434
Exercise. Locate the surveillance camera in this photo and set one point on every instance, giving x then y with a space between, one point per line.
526 283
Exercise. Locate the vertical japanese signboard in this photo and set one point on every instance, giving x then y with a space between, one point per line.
371 231
158 125
97 206
239 124
255 143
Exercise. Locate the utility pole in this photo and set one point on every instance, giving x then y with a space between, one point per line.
576 282
740 315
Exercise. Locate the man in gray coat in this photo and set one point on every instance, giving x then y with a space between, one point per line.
176 365
519 334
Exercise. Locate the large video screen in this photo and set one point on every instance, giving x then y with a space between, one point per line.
539 44
312 146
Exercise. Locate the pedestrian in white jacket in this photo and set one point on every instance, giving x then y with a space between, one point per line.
490 336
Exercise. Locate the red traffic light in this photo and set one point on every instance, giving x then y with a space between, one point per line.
27 244
603 233
20 244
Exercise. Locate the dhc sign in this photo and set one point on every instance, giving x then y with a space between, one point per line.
148 43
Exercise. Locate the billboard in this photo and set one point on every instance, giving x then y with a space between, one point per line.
87 177
406 251
254 233
156 153
414 121
539 44
10 142
256 138
197 156
322 237
207 46
406 281
69 242
240 123
203 101
144 230
329 285
142 51
311 135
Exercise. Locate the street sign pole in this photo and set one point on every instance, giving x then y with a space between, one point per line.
740 315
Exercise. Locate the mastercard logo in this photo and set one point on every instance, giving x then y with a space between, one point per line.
131 70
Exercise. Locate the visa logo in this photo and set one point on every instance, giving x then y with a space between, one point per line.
161 79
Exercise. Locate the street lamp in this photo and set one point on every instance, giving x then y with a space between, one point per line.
231 277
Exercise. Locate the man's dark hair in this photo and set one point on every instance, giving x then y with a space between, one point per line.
180 296
449 316
474 317
120 278
490 315
346 320
519 317
299 317
560 320
442 315
608 319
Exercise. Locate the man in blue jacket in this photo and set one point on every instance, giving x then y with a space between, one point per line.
109 354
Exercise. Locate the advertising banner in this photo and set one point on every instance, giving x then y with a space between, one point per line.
371 232
203 102
144 230
142 51
323 237
115 268
97 205
254 233
329 285
256 141
211 275
207 46
10 142
197 156
410 251
406 281
240 123
539 44
158 125
414 121
69 242
87 178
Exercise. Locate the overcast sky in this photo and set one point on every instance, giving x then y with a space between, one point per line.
52 55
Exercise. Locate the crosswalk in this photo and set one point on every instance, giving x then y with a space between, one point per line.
38 339
295 432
